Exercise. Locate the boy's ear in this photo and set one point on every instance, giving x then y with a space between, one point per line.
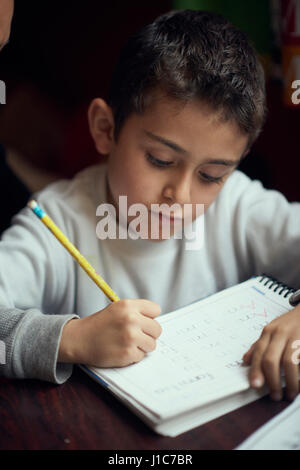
101 124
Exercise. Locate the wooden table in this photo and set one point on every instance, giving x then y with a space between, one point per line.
80 414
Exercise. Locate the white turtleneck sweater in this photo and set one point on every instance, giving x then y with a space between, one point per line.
248 230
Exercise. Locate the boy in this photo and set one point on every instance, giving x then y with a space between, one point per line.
185 105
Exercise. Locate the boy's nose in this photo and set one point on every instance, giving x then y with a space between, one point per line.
178 190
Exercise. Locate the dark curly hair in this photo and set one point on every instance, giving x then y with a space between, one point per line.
190 55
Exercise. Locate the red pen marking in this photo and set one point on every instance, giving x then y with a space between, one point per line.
261 314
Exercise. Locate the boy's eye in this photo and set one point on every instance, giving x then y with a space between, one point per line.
211 179
156 162
203 176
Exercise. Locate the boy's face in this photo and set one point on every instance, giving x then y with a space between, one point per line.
173 154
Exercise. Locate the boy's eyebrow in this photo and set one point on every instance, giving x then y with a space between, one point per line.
177 148
166 142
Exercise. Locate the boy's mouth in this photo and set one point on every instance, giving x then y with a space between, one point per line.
167 217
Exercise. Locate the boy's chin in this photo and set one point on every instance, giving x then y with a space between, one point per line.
157 230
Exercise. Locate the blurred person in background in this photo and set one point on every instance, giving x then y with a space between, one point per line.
13 193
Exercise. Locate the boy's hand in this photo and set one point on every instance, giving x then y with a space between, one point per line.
278 345
116 336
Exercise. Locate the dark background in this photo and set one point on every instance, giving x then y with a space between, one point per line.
61 55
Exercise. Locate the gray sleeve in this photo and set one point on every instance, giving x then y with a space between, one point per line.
268 233
37 298
31 342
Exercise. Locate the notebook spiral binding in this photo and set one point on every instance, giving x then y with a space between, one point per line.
274 284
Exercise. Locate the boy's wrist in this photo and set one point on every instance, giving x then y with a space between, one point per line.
68 352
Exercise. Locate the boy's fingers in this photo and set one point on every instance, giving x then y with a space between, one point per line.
147 344
256 376
271 365
138 355
149 308
247 356
291 372
151 327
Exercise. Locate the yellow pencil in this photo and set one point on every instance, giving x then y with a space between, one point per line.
72 250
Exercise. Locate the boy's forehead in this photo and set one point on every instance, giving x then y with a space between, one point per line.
189 125
168 110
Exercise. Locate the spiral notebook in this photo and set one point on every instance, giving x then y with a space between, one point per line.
196 372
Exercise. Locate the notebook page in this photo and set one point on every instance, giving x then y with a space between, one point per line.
198 357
